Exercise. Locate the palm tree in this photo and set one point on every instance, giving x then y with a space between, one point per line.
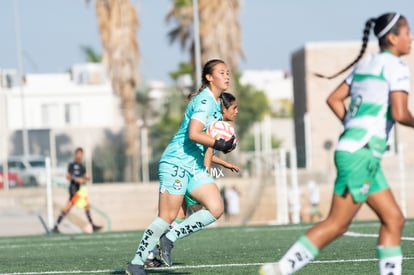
91 55
220 35
118 24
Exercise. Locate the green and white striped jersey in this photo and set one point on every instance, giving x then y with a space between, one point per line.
369 120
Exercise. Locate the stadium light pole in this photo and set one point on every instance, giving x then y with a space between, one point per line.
197 50
25 136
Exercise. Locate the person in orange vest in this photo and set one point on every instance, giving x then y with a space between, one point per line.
77 191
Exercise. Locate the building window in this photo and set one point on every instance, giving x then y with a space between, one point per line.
50 115
72 114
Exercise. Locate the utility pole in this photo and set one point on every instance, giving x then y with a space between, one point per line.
197 50
25 136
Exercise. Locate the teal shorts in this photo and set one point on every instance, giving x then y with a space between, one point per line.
177 180
189 200
359 174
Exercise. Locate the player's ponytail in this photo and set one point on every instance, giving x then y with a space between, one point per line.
207 69
365 38
384 25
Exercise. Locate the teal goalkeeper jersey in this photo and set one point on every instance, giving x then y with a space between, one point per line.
181 150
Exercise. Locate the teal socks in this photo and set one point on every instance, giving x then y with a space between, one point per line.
192 224
149 240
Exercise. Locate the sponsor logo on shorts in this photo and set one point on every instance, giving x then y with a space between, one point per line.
214 172
177 184
217 172
365 188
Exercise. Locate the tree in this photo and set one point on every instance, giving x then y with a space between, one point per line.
220 35
253 105
184 68
90 54
168 122
118 24
248 143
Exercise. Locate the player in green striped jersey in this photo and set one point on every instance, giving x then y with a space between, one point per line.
378 88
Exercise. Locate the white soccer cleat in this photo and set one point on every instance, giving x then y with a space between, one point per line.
270 269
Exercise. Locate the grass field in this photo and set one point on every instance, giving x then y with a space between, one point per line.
233 250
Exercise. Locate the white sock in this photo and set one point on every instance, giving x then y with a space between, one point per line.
390 266
390 260
299 255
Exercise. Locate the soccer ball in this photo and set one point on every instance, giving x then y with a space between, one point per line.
221 130
87 228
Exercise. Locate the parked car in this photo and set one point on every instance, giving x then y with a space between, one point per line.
31 169
14 179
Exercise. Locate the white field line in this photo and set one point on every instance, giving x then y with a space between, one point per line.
62 272
18 243
69 243
73 240
116 271
364 235
304 227
16 239
63 237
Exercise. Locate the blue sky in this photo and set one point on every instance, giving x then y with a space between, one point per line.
53 30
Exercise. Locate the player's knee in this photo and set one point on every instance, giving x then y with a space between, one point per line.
395 221
400 223
168 217
339 227
216 210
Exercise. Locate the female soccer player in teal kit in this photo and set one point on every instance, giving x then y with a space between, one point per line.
229 110
181 170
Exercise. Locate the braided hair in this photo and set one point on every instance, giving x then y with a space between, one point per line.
207 69
383 27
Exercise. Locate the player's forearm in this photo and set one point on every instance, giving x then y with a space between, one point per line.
81 180
219 161
404 118
201 138
336 100
226 164
337 107
208 158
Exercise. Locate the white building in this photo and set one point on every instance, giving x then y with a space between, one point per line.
277 84
63 111
278 87
61 100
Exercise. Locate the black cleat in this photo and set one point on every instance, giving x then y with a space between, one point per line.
54 230
152 263
96 228
166 245
134 269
